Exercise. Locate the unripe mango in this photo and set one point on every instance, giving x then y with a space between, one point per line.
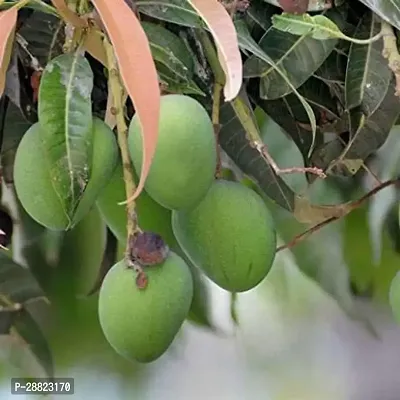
33 183
151 215
140 324
230 235
185 160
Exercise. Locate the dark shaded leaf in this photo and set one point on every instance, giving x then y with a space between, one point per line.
368 75
289 113
179 12
389 10
248 43
261 12
292 55
338 158
28 329
65 115
333 70
7 317
38 6
234 140
301 6
15 125
17 284
173 60
42 36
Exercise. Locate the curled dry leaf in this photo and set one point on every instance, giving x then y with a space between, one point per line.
68 15
223 30
93 44
137 71
8 19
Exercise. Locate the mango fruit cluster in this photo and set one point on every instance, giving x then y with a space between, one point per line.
217 227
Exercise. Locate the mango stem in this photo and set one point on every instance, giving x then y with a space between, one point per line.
117 91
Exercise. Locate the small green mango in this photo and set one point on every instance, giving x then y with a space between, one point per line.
394 297
140 324
151 215
230 235
33 183
185 160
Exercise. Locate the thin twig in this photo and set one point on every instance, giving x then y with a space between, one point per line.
349 207
262 149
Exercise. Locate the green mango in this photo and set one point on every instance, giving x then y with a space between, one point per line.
140 324
151 216
185 160
33 183
82 251
230 236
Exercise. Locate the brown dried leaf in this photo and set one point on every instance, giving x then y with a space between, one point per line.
93 44
68 15
307 213
8 19
138 72
223 30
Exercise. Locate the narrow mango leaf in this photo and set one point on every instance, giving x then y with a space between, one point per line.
68 15
169 50
318 26
301 6
389 10
65 116
368 75
248 43
178 12
221 26
17 284
372 132
236 121
31 333
287 52
137 71
8 19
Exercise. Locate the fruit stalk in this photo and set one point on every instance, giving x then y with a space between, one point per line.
219 82
117 92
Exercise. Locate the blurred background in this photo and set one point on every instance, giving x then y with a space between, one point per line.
318 327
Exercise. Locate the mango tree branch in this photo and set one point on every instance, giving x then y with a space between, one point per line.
117 91
349 207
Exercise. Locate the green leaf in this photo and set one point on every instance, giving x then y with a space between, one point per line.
179 12
339 159
34 5
389 10
65 116
44 35
261 12
291 54
289 113
234 140
368 75
333 70
29 330
169 50
248 43
17 284
15 126
318 26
